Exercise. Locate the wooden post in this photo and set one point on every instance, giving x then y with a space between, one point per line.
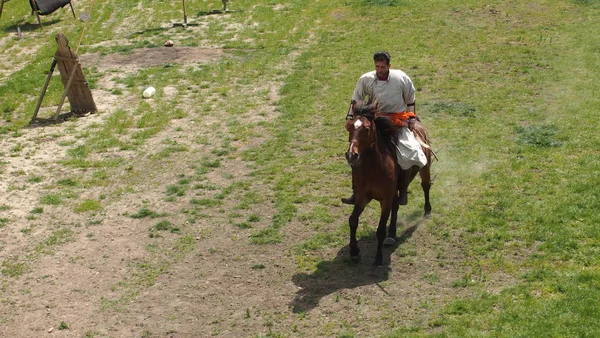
2 6
37 107
184 14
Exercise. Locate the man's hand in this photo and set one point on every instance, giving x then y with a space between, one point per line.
411 123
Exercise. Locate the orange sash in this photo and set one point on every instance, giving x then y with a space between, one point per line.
399 119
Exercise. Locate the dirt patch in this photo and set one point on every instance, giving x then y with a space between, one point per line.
152 57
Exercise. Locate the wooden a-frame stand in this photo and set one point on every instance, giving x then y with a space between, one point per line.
76 87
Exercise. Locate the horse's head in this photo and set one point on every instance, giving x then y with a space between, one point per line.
362 132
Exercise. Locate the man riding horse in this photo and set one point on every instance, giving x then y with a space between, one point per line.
395 92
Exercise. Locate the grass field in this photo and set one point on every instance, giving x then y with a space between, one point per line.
212 209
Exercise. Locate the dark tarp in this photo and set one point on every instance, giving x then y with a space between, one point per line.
45 7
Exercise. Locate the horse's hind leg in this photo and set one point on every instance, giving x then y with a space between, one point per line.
381 230
391 235
425 174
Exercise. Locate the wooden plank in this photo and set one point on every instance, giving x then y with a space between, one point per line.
76 86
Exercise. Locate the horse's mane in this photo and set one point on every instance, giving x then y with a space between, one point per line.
386 132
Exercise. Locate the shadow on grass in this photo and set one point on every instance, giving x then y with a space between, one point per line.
63 117
29 26
342 273
216 12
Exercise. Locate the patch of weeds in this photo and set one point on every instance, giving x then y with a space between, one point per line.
15 187
4 222
319 241
95 222
67 182
163 226
16 149
58 237
431 278
220 152
51 199
87 206
4 207
91 334
35 179
253 218
207 202
250 198
79 152
63 326
457 109
407 250
466 281
26 231
208 163
243 225
270 235
543 136
204 140
167 151
177 190
257 267
13 268
145 212
383 3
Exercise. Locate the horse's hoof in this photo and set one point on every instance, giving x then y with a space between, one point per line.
389 241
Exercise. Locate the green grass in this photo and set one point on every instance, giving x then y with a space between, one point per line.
145 212
508 91
88 205
13 268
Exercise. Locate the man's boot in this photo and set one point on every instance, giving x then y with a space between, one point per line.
405 178
403 198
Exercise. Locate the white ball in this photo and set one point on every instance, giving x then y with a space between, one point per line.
149 92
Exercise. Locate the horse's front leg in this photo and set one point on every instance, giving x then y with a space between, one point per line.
381 231
353 221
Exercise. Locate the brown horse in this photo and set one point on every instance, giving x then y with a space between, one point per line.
376 173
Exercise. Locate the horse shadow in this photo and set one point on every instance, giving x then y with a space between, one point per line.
343 273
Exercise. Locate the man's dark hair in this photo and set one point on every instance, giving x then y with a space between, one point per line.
382 56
